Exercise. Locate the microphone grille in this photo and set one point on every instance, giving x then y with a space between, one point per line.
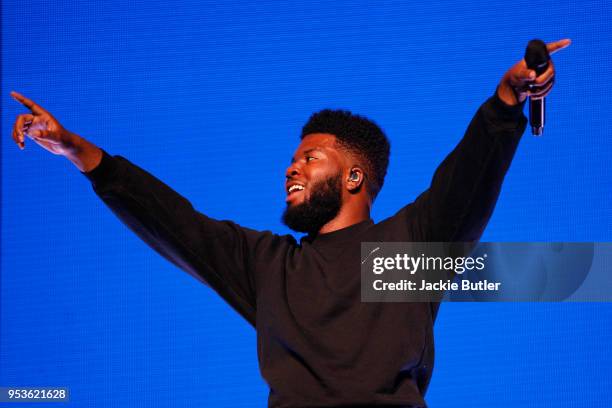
536 56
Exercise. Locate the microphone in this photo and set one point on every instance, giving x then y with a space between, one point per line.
537 57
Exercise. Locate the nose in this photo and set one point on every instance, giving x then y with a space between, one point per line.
292 171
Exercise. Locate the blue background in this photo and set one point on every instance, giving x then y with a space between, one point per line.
210 97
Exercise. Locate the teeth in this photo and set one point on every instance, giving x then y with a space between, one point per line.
295 187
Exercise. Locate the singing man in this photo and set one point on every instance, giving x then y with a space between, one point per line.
318 344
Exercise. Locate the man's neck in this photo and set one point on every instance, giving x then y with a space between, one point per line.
346 217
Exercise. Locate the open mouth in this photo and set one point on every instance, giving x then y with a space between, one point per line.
294 189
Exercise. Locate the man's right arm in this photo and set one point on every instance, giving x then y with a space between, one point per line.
219 253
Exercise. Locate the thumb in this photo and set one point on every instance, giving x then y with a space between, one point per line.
525 75
39 134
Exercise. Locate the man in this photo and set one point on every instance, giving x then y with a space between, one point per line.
318 345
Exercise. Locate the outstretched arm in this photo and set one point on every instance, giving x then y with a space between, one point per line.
464 189
219 253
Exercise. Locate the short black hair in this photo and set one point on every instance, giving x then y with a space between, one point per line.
360 136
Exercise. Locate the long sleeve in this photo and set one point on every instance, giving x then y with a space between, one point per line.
218 253
465 187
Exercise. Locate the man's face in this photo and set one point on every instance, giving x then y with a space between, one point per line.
314 183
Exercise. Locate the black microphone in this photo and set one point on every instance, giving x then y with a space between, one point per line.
537 57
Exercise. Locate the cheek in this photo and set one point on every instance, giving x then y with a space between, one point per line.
322 170
315 178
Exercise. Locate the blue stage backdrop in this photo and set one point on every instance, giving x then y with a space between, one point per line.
210 97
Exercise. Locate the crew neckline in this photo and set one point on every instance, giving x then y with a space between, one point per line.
340 235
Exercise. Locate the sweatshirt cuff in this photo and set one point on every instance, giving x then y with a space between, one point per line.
103 171
498 109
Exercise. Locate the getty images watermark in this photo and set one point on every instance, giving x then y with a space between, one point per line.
502 271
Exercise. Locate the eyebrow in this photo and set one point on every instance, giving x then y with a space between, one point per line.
314 149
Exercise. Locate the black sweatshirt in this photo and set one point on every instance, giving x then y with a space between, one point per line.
318 344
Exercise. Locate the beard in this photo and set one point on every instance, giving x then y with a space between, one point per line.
321 207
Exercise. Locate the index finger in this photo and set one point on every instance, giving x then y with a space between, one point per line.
558 45
28 103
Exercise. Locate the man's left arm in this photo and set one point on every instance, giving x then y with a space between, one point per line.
464 190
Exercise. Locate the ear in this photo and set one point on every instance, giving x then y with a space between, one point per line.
355 179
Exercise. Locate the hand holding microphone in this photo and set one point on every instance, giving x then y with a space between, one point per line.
532 77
